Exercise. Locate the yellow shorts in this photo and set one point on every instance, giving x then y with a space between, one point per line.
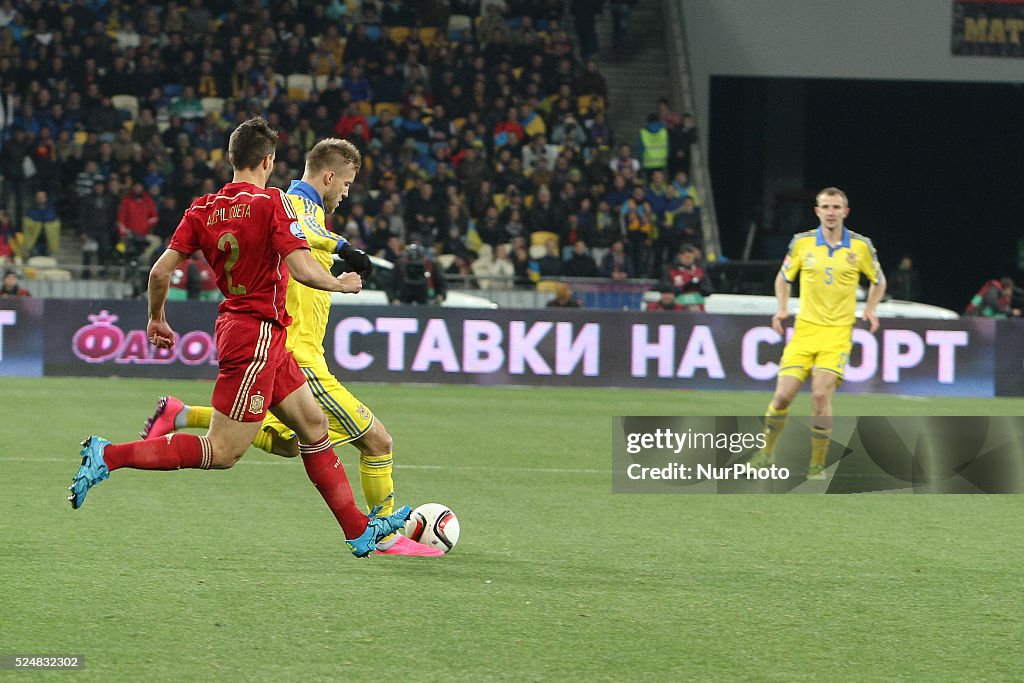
347 417
823 348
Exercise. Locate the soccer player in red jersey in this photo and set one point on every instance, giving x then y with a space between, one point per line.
251 239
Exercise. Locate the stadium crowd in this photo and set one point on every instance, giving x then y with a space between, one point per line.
484 134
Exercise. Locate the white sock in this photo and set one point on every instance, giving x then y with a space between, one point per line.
180 419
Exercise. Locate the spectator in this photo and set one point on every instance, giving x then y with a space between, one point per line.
11 286
905 283
8 239
41 218
18 169
994 300
550 264
616 264
580 264
688 280
653 147
563 298
97 228
500 268
625 163
136 218
666 301
621 10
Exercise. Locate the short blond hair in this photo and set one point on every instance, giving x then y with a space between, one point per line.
331 154
833 192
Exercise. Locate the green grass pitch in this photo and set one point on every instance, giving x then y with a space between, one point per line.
242 575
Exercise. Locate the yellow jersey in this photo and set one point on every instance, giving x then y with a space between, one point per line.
310 307
829 275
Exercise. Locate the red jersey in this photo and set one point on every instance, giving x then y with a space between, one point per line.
245 231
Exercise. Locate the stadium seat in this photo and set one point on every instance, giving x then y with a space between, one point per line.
394 107
583 103
81 137
548 285
541 237
457 25
445 261
126 103
216 155
528 201
500 200
459 122
428 34
320 82
299 87
398 34
212 104
365 108
172 90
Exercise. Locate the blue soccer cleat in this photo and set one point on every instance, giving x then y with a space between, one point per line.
379 528
92 471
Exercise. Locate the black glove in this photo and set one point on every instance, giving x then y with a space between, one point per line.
356 259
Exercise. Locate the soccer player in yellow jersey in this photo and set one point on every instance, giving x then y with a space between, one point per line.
830 261
316 195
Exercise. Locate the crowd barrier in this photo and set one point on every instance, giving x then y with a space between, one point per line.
966 357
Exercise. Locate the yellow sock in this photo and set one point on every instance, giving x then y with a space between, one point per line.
378 486
264 441
199 416
774 422
820 437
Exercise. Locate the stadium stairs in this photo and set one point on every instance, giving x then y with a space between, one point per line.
638 79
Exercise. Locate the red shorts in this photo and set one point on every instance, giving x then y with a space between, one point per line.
256 370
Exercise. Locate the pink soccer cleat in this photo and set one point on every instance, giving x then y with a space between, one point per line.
162 422
407 546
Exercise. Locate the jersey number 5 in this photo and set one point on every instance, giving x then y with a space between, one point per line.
229 243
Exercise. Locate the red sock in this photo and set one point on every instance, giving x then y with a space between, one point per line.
171 452
328 475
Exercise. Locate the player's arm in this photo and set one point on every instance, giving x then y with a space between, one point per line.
157 329
875 293
874 274
304 268
783 290
323 239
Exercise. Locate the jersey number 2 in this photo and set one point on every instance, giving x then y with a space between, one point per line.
229 243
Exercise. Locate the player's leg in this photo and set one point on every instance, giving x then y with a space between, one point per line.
172 414
823 387
220 448
794 367
300 411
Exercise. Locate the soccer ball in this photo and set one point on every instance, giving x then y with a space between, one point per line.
435 525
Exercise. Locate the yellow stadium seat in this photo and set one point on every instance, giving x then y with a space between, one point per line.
528 201
299 86
548 286
583 103
459 122
500 200
81 137
398 34
216 156
428 34
517 72
394 107
365 108
541 237
320 82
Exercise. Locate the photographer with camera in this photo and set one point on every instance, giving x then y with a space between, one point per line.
417 279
